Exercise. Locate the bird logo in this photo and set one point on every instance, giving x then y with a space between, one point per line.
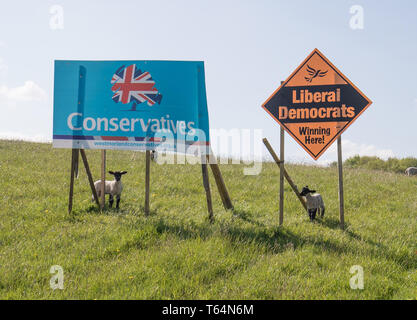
314 74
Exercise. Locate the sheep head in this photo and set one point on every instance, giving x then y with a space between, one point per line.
117 174
306 191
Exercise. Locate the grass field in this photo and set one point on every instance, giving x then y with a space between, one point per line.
175 253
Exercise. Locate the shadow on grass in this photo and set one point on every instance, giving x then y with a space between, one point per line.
152 212
272 239
377 249
95 210
194 231
246 216
77 214
333 223
278 239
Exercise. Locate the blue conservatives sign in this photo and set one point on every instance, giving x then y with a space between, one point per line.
130 105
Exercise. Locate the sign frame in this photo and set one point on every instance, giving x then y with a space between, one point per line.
342 76
84 91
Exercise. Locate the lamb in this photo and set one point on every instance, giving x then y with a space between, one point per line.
314 202
412 171
112 188
154 155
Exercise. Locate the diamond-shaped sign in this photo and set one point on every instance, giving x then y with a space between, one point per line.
316 104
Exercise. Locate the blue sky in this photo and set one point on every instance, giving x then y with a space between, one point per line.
248 48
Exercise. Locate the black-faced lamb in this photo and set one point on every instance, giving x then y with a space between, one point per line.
412 171
314 202
112 188
154 155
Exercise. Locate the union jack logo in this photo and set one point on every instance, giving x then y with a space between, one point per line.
130 84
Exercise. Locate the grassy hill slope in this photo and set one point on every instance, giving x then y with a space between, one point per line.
175 253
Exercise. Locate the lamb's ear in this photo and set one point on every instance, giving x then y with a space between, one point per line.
111 172
123 172
313 191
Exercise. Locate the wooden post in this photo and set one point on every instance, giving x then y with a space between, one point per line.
71 192
281 175
77 157
89 176
281 178
340 167
147 181
286 175
206 184
103 179
221 186
80 107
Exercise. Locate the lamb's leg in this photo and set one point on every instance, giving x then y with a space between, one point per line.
322 212
111 200
310 214
117 201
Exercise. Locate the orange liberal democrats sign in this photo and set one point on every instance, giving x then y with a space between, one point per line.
316 104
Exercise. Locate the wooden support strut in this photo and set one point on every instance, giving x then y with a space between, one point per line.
71 191
341 196
77 157
281 174
291 183
103 179
281 178
221 186
89 176
206 184
74 160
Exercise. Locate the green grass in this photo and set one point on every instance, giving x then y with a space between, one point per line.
175 253
375 163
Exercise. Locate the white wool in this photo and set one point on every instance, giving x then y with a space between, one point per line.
314 201
114 187
412 171
154 156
